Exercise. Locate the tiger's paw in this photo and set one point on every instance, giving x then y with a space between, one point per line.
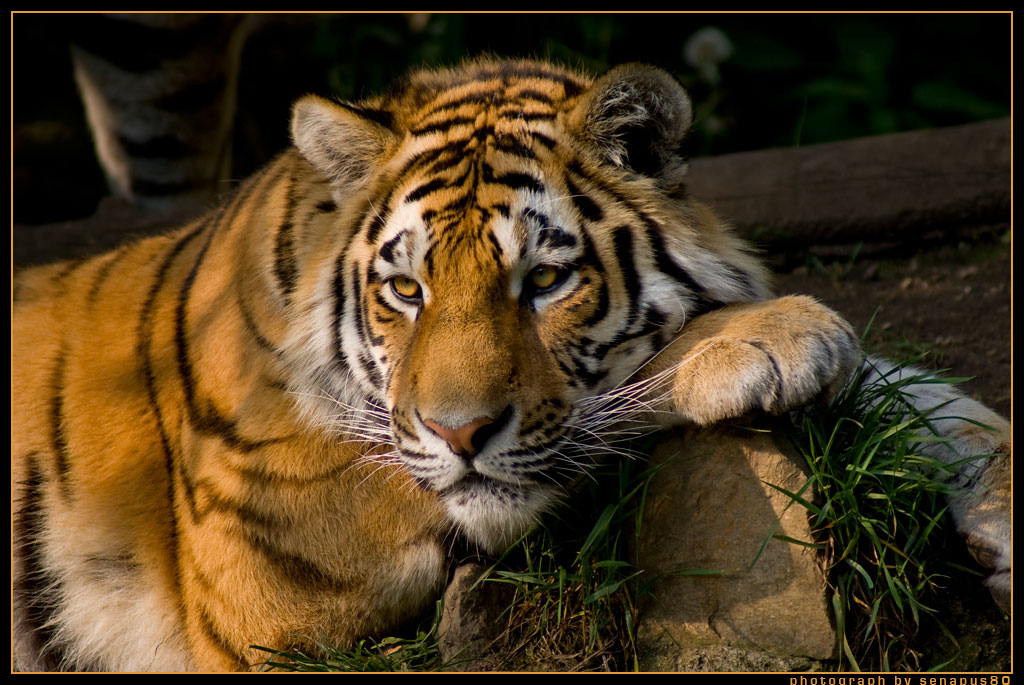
771 356
983 515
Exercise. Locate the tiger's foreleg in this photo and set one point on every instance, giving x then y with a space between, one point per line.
978 447
770 356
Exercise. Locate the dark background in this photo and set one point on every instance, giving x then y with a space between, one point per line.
792 79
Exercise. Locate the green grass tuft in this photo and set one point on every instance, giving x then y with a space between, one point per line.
390 654
576 584
880 513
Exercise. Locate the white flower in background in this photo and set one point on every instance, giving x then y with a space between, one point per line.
705 50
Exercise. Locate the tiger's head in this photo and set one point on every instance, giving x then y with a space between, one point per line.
513 242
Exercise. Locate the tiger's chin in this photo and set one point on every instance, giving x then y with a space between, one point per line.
493 514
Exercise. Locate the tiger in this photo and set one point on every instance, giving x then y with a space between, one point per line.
422 323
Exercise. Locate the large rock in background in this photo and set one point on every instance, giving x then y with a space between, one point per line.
710 508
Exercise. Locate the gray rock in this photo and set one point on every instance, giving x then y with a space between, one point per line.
472 619
722 659
710 509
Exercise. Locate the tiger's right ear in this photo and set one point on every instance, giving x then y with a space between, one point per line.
345 142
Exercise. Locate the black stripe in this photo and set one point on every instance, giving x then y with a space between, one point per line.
216 637
530 116
442 125
258 475
376 225
530 94
515 180
357 297
249 321
477 98
425 189
664 262
144 338
776 371
143 344
547 142
363 307
364 360
207 419
296 568
590 256
380 300
372 373
58 428
428 260
496 251
446 164
378 116
656 319
459 205
519 71
556 238
587 208
460 180
449 152
622 238
247 515
539 217
402 429
326 206
338 308
103 274
572 87
825 345
387 250
624 335
35 588
601 310
285 267
581 371
513 146
69 268
568 373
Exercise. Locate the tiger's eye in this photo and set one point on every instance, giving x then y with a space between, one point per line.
406 287
544 276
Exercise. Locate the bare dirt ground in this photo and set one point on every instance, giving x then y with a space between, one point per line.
951 302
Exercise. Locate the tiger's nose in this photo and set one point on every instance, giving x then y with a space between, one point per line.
467 440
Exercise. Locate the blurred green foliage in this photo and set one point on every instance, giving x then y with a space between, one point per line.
790 79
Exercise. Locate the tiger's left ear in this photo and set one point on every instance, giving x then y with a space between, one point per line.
345 142
637 117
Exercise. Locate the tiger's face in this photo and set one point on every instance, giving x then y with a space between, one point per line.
487 325
520 247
